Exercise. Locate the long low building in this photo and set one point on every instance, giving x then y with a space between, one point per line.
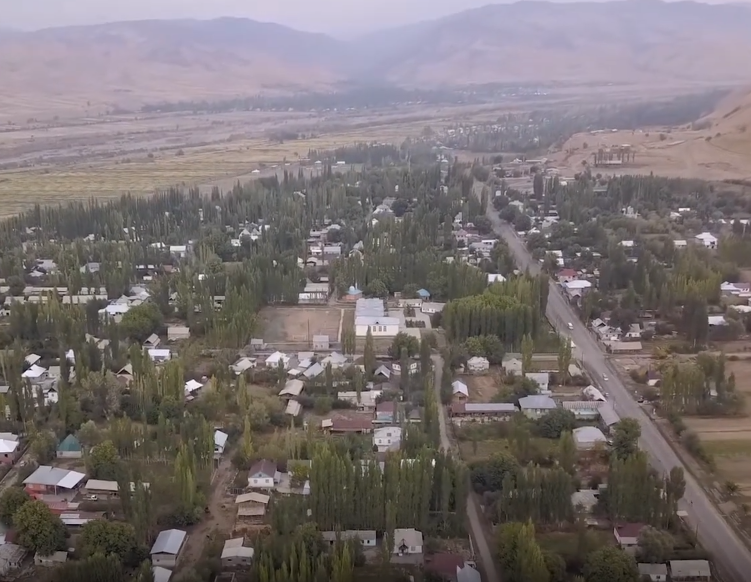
461 412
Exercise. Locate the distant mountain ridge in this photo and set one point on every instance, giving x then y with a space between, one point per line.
126 63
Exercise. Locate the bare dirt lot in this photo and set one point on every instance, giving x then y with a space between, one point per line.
299 324
481 388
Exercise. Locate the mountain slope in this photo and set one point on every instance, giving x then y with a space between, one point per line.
126 64
625 41
129 63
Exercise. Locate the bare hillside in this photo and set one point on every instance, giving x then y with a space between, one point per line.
635 42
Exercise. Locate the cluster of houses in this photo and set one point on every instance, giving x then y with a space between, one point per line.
535 406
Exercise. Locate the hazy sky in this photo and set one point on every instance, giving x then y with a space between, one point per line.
335 16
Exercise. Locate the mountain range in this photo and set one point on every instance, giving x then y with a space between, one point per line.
631 41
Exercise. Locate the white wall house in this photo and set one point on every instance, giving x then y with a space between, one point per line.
706 239
379 326
262 475
388 438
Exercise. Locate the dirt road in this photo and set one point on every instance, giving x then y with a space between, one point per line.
473 511
221 516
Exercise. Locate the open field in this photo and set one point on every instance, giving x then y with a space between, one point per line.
299 324
682 153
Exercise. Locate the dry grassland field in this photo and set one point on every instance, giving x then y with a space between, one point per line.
281 325
718 147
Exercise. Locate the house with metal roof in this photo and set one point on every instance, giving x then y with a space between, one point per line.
655 572
684 570
536 405
588 437
166 548
52 480
461 412
220 442
235 553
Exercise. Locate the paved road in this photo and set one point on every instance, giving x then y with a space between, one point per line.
730 554
473 511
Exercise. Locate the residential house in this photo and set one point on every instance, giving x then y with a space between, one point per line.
277 358
461 412
378 326
352 295
495 278
48 480
536 405
166 549
459 391
423 294
582 409
242 365
366 400
366 537
413 367
358 425
388 438
608 416
654 572
54 560
512 366
11 558
592 393
263 475
478 365
236 554
627 535
566 275
152 342
35 374
177 333
220 442
191 386
159 356
616 347
321 342
252 505
706 239
9 450
429 308
292 388
385 413
407 541
107 489
314 294
694 570
588 437
69 448
585 500
542 379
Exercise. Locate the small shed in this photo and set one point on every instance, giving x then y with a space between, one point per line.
69 448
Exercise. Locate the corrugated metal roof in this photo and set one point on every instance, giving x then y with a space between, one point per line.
169 542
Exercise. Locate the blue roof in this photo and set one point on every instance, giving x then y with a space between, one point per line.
423 293
353 290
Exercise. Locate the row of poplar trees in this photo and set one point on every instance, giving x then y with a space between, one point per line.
401 493
510 310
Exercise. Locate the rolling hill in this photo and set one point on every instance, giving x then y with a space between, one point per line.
129 63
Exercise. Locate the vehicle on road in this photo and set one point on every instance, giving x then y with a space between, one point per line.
605 377
570 325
